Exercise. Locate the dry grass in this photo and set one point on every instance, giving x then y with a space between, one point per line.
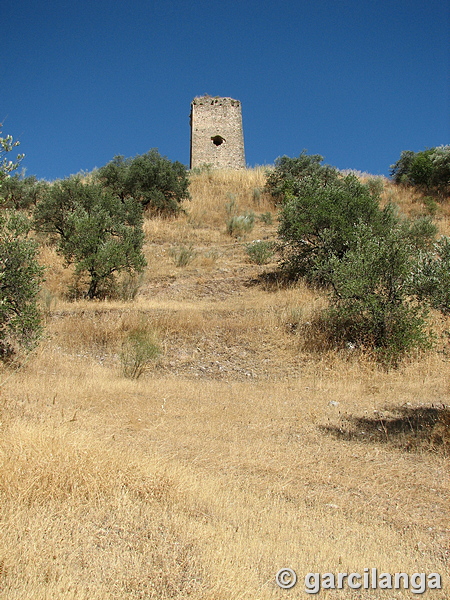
237 453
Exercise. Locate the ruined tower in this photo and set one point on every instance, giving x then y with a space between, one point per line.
217 137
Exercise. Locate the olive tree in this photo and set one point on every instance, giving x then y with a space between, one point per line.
94 229
158 183
20 273
428 171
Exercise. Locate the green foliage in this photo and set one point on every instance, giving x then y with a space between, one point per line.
431 276
428 171
372 305
8 166
22 192
266 218
431 206
334 233
318 218
158 183
94 229
20 273
283 181
239 225
260 252
20 279
139 348
257 195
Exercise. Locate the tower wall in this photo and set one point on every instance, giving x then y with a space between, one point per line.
217 137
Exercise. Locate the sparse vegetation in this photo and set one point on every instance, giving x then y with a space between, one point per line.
239 225
245 446
260 252
7 165
183 255
266 218
139 348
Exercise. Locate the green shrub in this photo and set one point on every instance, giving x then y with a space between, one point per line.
257 194
372 304
318 218
22 192
139 348
20 273
266 218
94 229
428 171
158 183
260 252
375 185
283 181
430 279
239 225
431 206
20 279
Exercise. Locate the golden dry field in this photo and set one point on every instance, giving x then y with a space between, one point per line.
242 449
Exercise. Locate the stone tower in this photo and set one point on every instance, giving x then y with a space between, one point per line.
217 137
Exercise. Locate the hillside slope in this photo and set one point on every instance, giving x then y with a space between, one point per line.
241 450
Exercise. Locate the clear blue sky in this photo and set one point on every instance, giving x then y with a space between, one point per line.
356 81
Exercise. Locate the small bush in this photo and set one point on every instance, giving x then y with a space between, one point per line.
375 185
257 195
430 205
183 255
266 218
260 252
139 348
129 286
430 279
239 225
283 181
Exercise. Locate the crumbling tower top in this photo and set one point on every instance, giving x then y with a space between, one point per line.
217 137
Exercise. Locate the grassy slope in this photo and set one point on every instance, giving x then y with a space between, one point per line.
236 454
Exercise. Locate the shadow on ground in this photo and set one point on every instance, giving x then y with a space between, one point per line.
407 427
272 281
